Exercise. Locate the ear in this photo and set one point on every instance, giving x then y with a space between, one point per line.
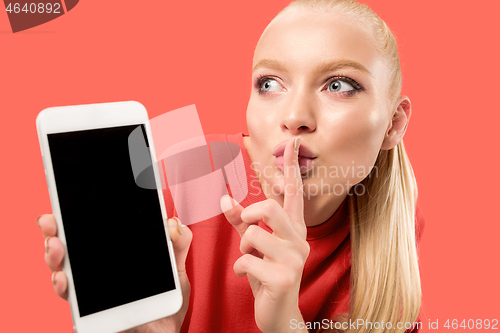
399 123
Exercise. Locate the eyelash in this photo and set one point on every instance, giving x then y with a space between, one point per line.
357 87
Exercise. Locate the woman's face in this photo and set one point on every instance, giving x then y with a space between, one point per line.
320 77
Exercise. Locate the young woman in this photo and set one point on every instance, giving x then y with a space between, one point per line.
327 235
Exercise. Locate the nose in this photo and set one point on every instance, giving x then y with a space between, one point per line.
298 115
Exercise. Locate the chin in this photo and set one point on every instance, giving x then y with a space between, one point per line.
316 187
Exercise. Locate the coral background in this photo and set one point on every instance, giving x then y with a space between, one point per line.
169 54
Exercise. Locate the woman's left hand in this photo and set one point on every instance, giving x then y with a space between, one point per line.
273 263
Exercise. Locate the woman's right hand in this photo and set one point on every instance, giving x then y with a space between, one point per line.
181 239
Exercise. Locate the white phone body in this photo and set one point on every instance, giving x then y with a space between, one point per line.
68 129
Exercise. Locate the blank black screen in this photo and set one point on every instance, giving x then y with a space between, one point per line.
114 229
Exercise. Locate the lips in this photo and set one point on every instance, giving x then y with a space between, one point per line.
306 157
304 163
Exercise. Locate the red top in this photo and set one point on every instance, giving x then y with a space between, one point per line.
222 302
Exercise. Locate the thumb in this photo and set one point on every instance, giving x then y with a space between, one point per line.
232 210
181 237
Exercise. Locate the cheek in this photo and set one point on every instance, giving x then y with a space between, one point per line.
255 114
356 141
252 116
258 128
263 120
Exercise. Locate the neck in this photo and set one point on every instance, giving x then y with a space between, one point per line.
317 209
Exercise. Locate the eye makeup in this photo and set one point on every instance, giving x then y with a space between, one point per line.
353 83
259 81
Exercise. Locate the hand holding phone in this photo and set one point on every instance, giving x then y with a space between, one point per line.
181 242
118 257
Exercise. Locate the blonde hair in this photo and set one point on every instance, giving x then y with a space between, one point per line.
385 278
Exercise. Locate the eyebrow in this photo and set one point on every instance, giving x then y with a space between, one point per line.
328 66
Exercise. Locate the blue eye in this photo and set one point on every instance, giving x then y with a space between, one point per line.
340 86
270 85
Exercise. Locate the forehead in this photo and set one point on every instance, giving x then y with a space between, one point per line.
302 39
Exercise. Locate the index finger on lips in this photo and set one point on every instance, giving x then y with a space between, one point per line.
48 225
232 210
293 195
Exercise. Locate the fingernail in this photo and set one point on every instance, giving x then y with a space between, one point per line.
226 203
296 145
54 277
47 244
179 225
38 224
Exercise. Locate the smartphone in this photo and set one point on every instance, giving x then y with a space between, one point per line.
119 258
